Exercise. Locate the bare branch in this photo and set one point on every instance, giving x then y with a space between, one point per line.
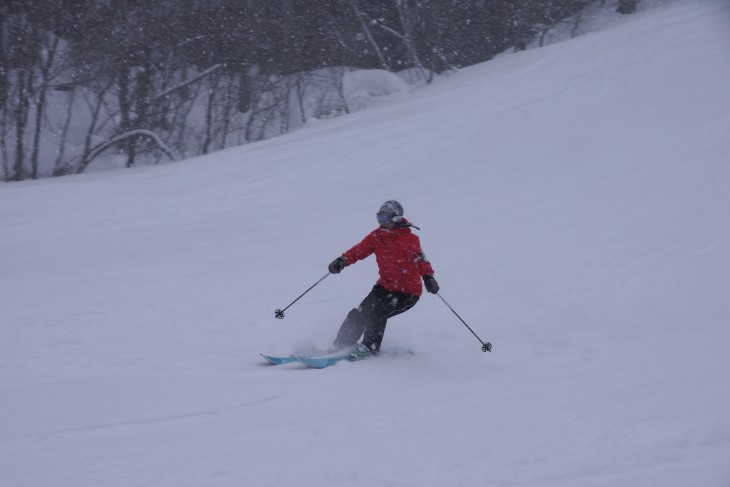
186 82
96 151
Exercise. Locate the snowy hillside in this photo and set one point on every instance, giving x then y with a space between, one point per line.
573 200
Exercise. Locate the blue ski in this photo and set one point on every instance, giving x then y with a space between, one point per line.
320 362
278 360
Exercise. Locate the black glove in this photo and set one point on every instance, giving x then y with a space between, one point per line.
431 285
337 265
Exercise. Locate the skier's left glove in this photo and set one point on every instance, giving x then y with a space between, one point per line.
431 285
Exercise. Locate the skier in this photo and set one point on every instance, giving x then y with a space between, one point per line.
401 264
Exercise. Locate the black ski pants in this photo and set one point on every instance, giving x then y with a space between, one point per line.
369 319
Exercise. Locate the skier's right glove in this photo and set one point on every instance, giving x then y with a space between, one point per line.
337 265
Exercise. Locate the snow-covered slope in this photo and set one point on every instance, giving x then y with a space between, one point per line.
574 202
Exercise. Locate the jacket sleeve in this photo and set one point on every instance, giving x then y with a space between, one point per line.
361 250
424 266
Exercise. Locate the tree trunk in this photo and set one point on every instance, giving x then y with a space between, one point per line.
21 118
300 92
61 168
3 138
92 129
125 108
209 115
244 91
41 107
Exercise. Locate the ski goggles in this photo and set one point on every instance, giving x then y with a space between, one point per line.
385 218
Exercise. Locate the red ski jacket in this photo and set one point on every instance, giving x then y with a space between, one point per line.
401 261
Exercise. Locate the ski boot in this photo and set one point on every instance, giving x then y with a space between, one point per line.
361 352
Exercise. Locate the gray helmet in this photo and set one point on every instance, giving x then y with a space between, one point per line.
390 212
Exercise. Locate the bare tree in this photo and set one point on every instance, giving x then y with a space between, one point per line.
210 104
21 61
47 55
627 6
95 107
60 167
365 22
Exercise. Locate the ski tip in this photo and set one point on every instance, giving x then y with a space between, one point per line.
277 360
269 359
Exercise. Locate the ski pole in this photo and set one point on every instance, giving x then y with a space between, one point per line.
486 346
279 313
